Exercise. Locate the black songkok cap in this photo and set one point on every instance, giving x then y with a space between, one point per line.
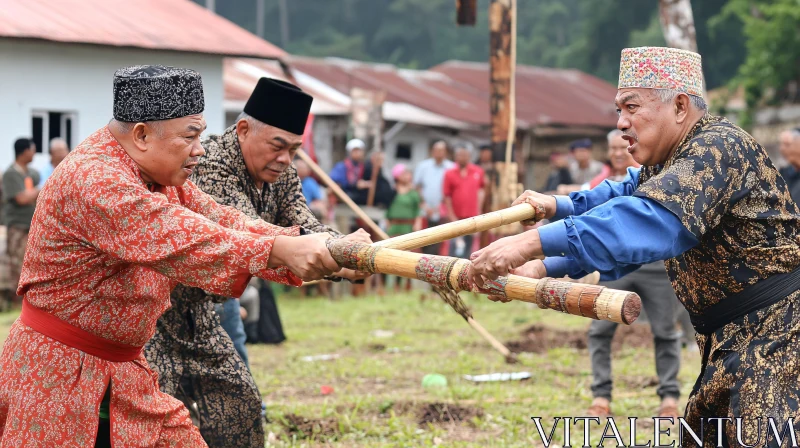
279 104
155 92
582 143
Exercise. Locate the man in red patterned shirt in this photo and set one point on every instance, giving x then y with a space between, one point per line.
116 228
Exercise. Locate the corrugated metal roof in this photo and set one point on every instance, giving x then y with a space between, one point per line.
453 95
545 96
178 25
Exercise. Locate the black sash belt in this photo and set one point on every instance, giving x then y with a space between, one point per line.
760 295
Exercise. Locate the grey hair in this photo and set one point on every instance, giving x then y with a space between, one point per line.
253 122
667 95
59 140
126 127
614 134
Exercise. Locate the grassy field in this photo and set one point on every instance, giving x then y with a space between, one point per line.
385 346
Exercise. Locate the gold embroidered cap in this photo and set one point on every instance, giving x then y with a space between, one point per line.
661 68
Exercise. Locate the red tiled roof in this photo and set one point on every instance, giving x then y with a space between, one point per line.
241 76
545 96
426 90
460 90
179 25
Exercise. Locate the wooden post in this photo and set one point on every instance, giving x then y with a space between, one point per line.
466 12
502 103
500 73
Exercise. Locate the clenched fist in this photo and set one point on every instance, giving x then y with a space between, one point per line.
545 205
359 236
306 256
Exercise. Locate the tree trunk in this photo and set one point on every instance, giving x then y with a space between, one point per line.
677 22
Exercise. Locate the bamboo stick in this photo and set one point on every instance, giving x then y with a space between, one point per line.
455 229
341 194
448 296
596 302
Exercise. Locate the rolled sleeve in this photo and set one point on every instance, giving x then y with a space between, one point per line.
564 207
554 239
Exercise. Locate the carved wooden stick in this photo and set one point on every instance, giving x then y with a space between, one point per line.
450 297
455 229
596 302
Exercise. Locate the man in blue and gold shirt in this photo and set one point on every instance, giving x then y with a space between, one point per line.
709 202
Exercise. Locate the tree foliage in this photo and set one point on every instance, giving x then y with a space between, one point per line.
772 35
583 34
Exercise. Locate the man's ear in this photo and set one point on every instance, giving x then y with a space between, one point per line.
139 134
681 105
242 129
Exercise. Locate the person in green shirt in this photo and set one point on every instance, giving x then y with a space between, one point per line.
404 212
19 202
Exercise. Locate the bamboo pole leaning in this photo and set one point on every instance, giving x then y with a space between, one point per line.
596 302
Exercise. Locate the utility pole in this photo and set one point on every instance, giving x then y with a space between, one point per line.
211 5
284 14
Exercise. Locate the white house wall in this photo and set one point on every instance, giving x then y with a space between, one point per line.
78 78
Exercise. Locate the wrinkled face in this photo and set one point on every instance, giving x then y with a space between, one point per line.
267 150
618 154
462 157
649 125
170 149
582 155
58 152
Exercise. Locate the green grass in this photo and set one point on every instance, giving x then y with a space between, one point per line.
377 393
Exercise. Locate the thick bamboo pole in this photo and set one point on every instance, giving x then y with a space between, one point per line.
596 302
448 296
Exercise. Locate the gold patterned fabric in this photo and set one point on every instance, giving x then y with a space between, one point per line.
725 190
194 357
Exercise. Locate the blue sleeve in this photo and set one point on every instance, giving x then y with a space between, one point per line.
339 174
580 202
558 267
617 237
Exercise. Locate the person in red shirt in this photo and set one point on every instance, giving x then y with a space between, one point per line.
463 193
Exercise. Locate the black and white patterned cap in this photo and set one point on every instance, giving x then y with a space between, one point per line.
155 92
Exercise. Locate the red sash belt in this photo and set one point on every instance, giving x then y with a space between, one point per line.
72 336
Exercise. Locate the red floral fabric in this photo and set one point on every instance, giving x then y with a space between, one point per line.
103 255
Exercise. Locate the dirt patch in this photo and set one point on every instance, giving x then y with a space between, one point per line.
446 413
310 428
642 382
538 339
632 336
377 347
